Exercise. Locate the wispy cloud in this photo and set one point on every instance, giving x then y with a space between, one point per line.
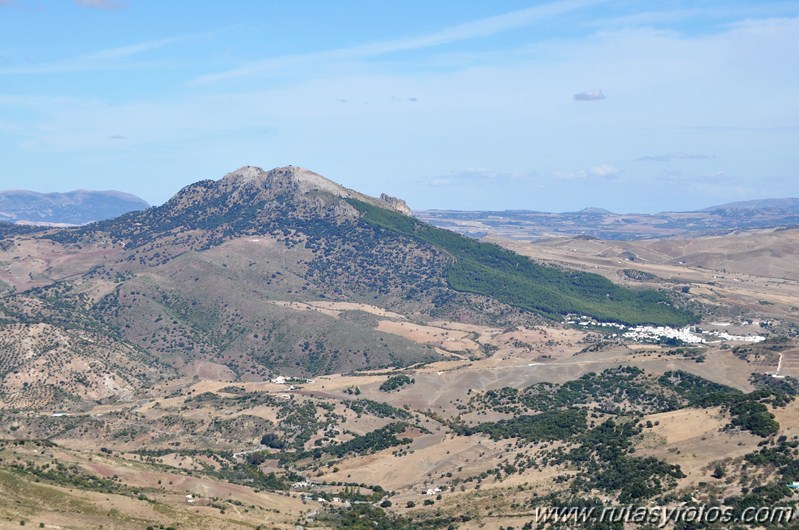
646 18
670 157
602 171
101 4
486 109
589 95
745 10
404 100
697 178
479 28
726 128
472 177
100 60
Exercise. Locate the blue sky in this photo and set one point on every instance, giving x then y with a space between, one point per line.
626 105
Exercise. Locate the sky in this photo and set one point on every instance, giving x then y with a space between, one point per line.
454 104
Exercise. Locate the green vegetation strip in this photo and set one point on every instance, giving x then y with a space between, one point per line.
554 425
487 269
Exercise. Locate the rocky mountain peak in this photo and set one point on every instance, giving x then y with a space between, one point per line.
299 181
246 201
284 179
245 175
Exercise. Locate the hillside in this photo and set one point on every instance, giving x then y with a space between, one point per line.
765 253
407 261
272 348
71 208
217 282
487 269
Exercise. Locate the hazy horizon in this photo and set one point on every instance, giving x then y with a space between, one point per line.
434 209
548 106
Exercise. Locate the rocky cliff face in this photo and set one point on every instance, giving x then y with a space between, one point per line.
395 204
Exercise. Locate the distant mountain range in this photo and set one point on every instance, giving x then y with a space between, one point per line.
84 206
71 208
788 205
526 225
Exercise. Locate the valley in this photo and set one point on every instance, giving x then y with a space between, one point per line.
370 265
272 350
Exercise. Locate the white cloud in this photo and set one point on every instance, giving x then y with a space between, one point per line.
708 92
589 95
471 177
438 181
101 4
602 171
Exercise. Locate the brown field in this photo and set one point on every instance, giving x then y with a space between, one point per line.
790 363
67 508
33 262
765 291
192 416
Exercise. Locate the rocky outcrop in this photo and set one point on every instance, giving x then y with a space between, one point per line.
395 204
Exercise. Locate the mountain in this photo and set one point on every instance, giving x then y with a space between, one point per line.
787 205
592 210
263 273
527 225
272 346
72 208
